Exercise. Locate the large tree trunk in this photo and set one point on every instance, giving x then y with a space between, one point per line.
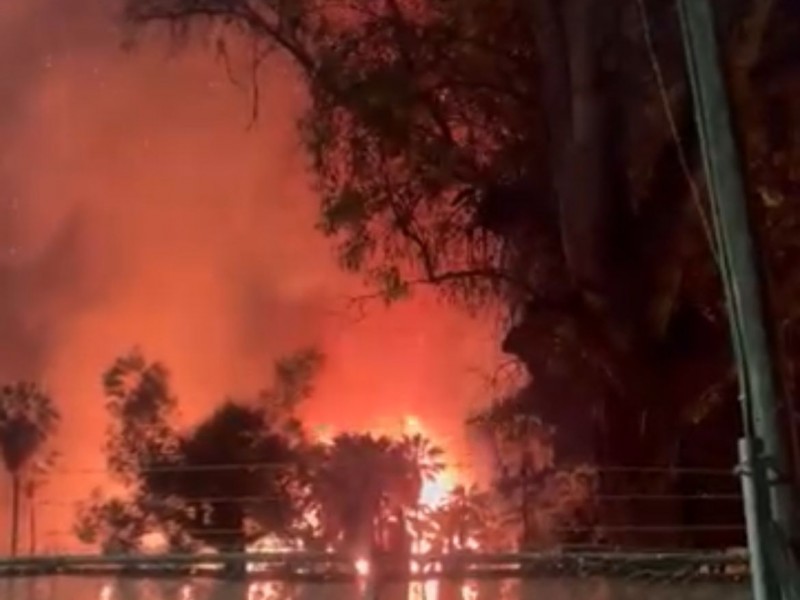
625 265
571 35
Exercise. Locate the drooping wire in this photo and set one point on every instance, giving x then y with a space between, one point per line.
710 223
660 79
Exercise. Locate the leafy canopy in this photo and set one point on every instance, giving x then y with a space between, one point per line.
414 110
230 479
28 418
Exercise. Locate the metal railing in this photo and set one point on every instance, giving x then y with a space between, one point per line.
601 570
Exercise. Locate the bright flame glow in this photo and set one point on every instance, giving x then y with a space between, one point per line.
267 590
423 590
362 567
434 494
107 592
154 542
434 491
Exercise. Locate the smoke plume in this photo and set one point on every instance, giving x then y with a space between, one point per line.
137 208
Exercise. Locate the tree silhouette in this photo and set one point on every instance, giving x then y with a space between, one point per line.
466 516
115 524
28 417
141 404
36 478
359 481
292 381
537 495
426 461
543 152
235 468
239 474
424 455
141 440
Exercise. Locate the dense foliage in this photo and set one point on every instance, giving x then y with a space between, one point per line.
543 153
248 471
28 419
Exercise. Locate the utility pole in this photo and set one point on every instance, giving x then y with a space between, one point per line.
768 508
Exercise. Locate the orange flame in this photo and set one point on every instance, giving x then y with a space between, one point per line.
362 567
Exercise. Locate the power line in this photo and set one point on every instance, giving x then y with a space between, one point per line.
666 106
266 466
255 499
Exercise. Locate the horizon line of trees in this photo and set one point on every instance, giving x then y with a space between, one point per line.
250 470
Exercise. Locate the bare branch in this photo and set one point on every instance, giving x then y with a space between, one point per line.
226 11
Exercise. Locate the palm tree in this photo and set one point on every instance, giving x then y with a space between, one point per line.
28 417
350 485
424 459
467 515
423 462
35 480
359 481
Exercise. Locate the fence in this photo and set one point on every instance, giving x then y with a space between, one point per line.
628 507
702 513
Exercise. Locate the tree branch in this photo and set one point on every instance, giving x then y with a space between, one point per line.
445 277
181 11
401 31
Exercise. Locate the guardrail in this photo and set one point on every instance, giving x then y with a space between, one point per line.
731 564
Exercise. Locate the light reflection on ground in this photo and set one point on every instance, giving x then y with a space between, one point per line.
88 588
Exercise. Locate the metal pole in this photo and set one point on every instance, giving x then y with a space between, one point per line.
735 243
764 584
762 448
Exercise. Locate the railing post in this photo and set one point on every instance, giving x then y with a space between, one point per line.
369 582
764 583
371 590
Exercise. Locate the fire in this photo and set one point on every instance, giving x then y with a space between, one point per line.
434 493
154 542
436 490
469 591
362 567
187 593
267 590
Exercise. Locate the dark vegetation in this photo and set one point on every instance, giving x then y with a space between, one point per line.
28 418
542 155
250 471
537 155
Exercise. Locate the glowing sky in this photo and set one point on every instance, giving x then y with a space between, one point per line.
137 208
